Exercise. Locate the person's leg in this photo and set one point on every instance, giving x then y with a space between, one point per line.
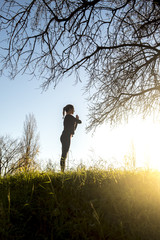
62 164
65 140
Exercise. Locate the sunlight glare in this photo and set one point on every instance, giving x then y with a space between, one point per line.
115 144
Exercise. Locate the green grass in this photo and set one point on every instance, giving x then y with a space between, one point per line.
110 205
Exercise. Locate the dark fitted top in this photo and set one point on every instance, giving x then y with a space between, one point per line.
70 124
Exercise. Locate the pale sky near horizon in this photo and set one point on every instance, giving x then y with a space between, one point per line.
20 97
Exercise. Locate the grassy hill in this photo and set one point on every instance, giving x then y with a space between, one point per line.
84 205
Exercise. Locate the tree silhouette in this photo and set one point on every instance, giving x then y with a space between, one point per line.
116 42
9 154
29 143
15 154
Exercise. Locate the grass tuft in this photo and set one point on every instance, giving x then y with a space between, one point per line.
93 204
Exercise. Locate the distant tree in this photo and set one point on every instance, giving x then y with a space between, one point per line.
116 42
50 166
9 154
130 157
29 144
16 155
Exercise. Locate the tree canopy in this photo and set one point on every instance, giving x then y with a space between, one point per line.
116 42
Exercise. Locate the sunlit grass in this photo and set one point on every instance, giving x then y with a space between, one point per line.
95 204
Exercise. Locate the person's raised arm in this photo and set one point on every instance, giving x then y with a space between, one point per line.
78 120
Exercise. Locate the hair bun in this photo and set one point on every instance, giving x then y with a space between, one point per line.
67 108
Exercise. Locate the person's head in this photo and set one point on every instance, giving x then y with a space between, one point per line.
68 109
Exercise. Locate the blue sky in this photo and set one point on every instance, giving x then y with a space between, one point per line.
21 96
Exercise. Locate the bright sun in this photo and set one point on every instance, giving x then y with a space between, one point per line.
142 135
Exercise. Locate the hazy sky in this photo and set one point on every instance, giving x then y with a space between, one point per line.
20 97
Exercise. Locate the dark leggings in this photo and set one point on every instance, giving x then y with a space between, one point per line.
65 140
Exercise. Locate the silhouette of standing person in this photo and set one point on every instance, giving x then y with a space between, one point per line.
70 125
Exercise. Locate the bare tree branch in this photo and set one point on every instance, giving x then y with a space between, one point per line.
116 42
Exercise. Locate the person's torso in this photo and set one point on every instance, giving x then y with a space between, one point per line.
69 125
